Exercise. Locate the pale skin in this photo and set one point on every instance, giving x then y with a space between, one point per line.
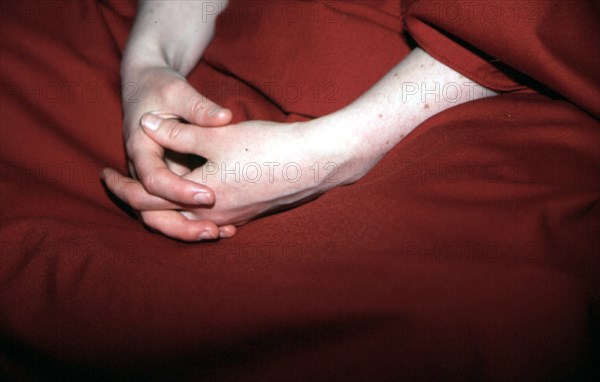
254 167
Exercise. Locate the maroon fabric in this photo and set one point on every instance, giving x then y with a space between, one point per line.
554 43
469 253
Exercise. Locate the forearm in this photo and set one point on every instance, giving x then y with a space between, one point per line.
170 34
416 89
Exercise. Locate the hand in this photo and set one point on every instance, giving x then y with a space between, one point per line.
165 92
165 44
257 167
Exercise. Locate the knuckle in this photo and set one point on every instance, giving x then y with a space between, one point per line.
136 145
134 170
199 106
190 232
135 201
180 191
174 130
149 181
130 146
172 89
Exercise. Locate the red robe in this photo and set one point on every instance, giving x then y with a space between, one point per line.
471 252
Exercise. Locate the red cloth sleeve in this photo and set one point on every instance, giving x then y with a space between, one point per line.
506 44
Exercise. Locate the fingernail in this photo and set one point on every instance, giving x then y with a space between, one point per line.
203 198
151 122
214 112
207 235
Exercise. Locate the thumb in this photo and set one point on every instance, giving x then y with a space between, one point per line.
178 136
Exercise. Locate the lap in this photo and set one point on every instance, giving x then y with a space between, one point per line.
464 237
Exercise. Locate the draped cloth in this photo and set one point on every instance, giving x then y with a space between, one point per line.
470 252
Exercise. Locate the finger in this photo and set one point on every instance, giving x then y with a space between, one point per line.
176 167
197 109
133 193
181 137
158 180
175 225
227 231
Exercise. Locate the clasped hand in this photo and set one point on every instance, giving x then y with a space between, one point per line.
257 167
253 168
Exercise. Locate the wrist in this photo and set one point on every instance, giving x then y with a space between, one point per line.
172 33
133 66
143 50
